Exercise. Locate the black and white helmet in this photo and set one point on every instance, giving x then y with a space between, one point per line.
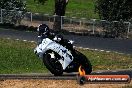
43 29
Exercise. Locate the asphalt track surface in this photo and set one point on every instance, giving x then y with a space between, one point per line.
107 44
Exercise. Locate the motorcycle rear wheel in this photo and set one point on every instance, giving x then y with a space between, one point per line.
79 60
84 62
52 64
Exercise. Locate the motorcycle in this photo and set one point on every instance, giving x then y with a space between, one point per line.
59 58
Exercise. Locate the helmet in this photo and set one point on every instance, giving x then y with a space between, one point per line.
43 29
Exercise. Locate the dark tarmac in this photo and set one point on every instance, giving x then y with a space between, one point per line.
107 44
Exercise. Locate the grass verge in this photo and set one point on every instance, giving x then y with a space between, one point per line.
108 61
18 57
75 8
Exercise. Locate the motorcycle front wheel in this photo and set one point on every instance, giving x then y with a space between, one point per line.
51 61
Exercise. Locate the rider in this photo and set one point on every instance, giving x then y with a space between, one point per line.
44 32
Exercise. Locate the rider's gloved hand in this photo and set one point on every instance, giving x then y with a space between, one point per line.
57 39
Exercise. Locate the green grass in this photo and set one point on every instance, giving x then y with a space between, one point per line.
108 61
76 8
18 57
38 8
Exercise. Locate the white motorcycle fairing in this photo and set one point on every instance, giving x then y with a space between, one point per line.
48 44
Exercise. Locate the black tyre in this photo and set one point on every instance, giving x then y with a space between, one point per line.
81 80
52 64
84 62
